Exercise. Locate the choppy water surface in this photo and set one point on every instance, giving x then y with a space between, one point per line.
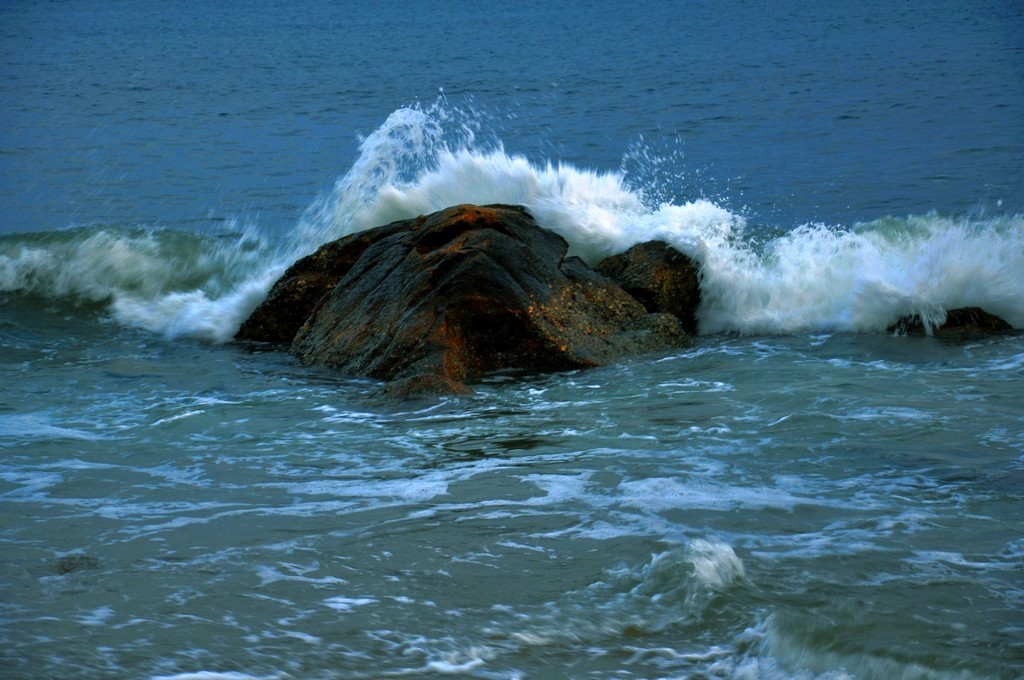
833 505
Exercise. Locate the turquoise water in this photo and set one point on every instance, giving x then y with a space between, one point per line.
800 494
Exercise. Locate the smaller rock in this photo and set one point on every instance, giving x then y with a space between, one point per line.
72 563
963 321
660 277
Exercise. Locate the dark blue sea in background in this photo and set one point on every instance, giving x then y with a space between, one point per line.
135 112
801 494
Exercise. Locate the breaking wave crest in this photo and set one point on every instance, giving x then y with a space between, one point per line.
422 159
176 283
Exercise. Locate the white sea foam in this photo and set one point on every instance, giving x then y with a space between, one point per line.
296 573
88 265
813 278
691 573
97 617
172 283
347 604
657 494
37 426
410 490
674 587
197 313
820 278
715 564
217 675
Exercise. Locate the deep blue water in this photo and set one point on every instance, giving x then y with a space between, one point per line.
800 494
795 111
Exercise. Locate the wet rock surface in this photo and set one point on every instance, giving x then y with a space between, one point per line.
296 294
959 322
660 277
432 304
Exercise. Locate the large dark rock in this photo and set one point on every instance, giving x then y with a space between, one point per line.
960 321
660 277
433 303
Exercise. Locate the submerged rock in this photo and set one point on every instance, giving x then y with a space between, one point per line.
963 321
77 562
433 303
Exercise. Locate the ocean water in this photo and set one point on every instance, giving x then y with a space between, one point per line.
800 494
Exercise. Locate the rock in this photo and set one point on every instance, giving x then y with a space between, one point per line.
961 321
660 277
434 303
293 298
72 563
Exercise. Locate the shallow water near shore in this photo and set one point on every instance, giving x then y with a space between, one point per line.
774 507
799 494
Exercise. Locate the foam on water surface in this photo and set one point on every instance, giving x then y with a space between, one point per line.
219 675
38 426
484 537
